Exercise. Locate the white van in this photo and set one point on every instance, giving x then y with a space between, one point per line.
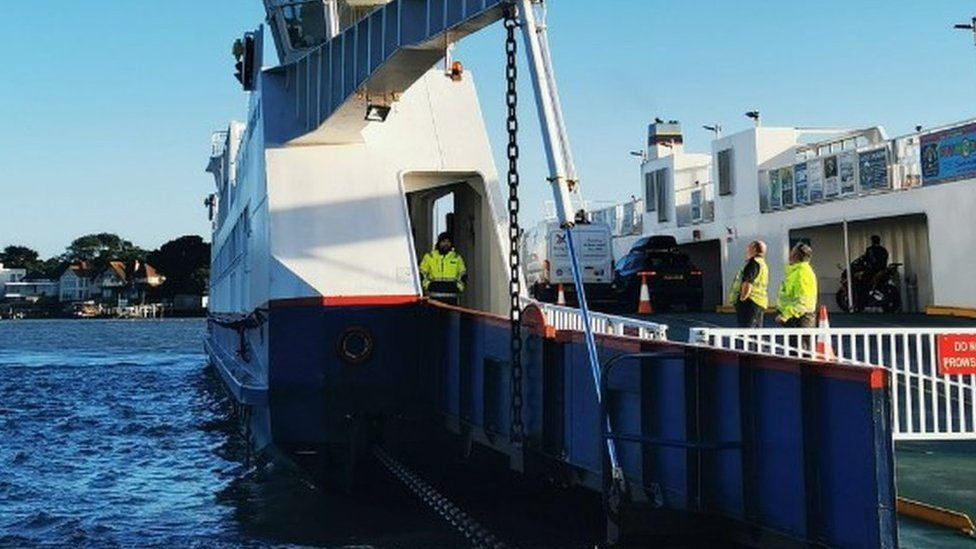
545 256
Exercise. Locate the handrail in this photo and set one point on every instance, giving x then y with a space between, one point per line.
926 404
568 318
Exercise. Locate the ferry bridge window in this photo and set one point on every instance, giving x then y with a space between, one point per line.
305 23
725 183
650 196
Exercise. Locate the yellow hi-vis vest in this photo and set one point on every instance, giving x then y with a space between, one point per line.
757 293
798 294
440 267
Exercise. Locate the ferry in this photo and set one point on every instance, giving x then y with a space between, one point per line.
319 329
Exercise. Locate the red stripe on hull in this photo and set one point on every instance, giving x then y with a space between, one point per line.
344 301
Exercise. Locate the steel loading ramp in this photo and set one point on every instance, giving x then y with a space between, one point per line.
324 94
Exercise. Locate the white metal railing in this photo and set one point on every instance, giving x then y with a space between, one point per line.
568 318
925 404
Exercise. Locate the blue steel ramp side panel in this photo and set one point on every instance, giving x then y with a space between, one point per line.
391 29
413 21
363 37
349 83
884 467
435 16
376 28
455 12
664 416
778 445
721 422
335 67
582 434
624 403
849 460
473 6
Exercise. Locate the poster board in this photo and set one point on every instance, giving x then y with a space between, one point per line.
831 183
949 155
872 169
801 183
815 180
847 172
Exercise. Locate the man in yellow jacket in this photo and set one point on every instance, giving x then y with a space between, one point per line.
748 291
443 272
797 300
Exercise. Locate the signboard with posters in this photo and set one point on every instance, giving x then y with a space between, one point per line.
846 168
872 169
831 187
815 180
957 354
786 181
802 192
775 190
949 155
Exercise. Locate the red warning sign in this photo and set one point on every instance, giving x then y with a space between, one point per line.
957 354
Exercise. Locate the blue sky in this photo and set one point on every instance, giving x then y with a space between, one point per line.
106 106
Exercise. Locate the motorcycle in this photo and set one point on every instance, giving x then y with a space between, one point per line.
880 290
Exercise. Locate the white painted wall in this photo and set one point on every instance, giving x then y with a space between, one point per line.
338 223
947 207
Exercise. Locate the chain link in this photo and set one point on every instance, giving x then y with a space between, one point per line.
466 525
517 432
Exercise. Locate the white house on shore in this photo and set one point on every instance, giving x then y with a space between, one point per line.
75 283
784 185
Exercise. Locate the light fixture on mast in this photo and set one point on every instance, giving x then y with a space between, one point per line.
971 26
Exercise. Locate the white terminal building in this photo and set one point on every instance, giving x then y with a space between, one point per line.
784 185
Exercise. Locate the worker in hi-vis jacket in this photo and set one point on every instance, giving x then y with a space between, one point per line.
748 291
442 271
797 300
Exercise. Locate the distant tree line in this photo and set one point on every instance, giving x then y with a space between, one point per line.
184 261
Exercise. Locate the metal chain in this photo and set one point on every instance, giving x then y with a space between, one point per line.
517 432
466 525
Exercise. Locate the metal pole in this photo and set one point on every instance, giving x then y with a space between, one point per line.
850 274
591 348
547 116
332 18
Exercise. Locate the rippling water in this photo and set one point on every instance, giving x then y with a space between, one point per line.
110 434
113 433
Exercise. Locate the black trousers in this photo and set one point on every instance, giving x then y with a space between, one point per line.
748 314
805 321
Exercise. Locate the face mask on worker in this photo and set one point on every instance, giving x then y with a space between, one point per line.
444 246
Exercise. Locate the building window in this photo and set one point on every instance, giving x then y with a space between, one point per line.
661 186
650 195
726 184
696 206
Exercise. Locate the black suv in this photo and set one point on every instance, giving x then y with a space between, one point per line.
671 276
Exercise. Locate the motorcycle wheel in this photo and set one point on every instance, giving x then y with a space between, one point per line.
842 299
892 300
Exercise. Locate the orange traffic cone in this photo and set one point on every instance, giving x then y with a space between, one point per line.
824 351
561 296
644 305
